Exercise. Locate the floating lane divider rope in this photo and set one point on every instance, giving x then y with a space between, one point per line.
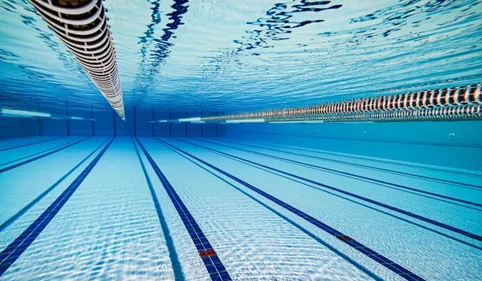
213 263
41 156
353 175
27 144
427 178
13 251
391 265
419 217
459 103
82 27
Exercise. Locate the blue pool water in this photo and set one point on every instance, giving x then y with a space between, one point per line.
234 56
85 195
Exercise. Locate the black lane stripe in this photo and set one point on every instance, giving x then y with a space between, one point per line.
391 265
329 170
52 187
171 247
27 144
13 251
366 158
213 263
427 178
398 210
41 156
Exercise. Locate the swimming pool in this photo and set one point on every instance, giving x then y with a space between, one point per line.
240 140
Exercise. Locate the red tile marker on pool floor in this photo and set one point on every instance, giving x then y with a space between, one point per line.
344 238
207 253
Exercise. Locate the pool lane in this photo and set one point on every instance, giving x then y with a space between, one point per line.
28 143
370 253
412 247
326 160
15 249
10 165
462 217
433 189
21 140
18 190
107 230
6 140
470 176
207 253
5 223
173 255
11 156
253 241
377 203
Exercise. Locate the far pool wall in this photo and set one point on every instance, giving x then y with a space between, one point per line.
454 144
107 123
17 127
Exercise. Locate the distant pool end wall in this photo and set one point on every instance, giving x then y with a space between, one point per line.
451 144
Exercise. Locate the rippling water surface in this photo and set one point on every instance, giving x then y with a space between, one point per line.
232 56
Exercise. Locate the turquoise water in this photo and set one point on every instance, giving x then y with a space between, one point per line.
236 56
99 198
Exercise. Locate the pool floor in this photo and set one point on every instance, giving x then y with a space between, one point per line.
122 208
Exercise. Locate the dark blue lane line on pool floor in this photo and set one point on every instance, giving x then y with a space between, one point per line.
27 144
364 158
41 196
213 264
9 139
391 265
171 247
13 251
352 200
41 155
355 176
33 154
410 214
273 210
427 178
